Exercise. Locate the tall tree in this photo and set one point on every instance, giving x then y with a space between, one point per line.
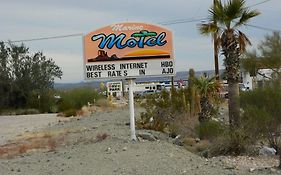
225 20
216 50
22 74
4 75
268 56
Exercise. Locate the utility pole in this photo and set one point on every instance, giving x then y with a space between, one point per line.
216 58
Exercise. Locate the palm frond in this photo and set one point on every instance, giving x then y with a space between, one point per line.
207 29
243 41
246 16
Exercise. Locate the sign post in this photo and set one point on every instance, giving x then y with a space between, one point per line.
127 51
132 109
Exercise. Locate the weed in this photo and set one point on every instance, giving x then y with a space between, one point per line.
101 137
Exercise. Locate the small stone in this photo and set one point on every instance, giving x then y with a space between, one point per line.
108 149
48 160
273 170
18 170
12 169
252 170
124 148
69 157
147 136
266 151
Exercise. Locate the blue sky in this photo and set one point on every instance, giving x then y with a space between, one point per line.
27 19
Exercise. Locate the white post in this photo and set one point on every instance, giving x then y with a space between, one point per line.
132 110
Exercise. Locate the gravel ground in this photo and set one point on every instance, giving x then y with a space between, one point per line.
12 126
83 153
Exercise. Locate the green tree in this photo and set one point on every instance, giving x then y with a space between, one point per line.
23 75
207 88
4 76
267 56
225 19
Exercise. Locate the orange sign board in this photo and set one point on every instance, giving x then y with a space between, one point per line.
130 49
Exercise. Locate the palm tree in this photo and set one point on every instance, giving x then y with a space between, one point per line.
225 19
207 89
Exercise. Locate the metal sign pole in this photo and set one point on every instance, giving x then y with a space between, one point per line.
132 110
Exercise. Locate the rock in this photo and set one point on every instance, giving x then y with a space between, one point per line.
273 170
18 170
252 170
205 153
266 151
125 148
147 136
197 140
178 141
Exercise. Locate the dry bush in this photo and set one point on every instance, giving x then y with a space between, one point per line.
85 111
104 103
101 137
183 125
195 146
48 141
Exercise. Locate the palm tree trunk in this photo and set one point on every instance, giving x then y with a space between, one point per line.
233 103
216 51
216 57
231 51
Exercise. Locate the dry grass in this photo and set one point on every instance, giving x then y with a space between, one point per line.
196 147
34 141
45 140
101 137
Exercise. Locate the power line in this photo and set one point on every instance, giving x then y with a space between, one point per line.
263 28
81 34
45 38
182 21
178 21
259 3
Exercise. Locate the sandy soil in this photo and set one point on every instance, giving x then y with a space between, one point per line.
85 152
12 126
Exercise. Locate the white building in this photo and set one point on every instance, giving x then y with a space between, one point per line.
251 82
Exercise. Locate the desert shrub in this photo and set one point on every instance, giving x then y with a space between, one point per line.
230 142
210 129
20 111
195 146
163 109
43 101
261 117
69 112
103 103
183 126
76 98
